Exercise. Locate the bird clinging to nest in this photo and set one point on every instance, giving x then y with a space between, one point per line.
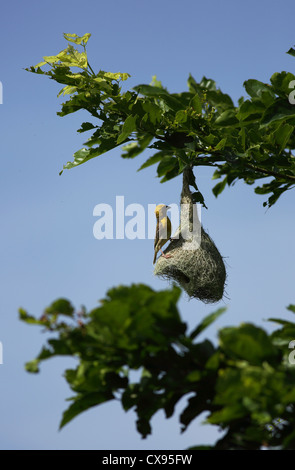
163 230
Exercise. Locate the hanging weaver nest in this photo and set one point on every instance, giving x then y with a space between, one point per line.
195 262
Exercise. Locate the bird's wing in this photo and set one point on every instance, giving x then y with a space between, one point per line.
156 235
163 229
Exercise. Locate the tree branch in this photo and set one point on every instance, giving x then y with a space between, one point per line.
276 174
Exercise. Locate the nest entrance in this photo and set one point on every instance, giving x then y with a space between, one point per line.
195 262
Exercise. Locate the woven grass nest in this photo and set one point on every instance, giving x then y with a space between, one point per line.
195 263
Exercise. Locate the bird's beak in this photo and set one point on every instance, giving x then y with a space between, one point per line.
168 207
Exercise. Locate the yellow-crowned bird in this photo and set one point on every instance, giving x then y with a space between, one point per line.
163 230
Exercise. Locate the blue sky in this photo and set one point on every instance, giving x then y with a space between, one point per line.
47 245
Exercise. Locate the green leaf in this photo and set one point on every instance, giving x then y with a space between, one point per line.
291 51
24 316
166 164
208 83
219 187
32 366
291 308
247 342
227 118
221 144
133 149
181 116
77 39
256 89
86 126
196 104
207 322
219 100
83 403
67 90
193 86
81 156
251 110
69 57
282 135
194 376
195 407
60 307
227 414
155 82
152 160
154 112
128 127
116 76
160 93
281 81
281 109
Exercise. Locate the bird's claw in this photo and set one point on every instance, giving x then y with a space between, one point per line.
166 256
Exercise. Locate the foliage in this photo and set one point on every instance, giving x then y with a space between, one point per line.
245 384
198 127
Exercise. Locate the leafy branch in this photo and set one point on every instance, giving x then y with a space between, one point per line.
198 127
245 384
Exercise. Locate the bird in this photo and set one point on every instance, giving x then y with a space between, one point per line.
163 230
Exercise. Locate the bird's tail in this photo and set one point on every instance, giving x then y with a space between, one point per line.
155 257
